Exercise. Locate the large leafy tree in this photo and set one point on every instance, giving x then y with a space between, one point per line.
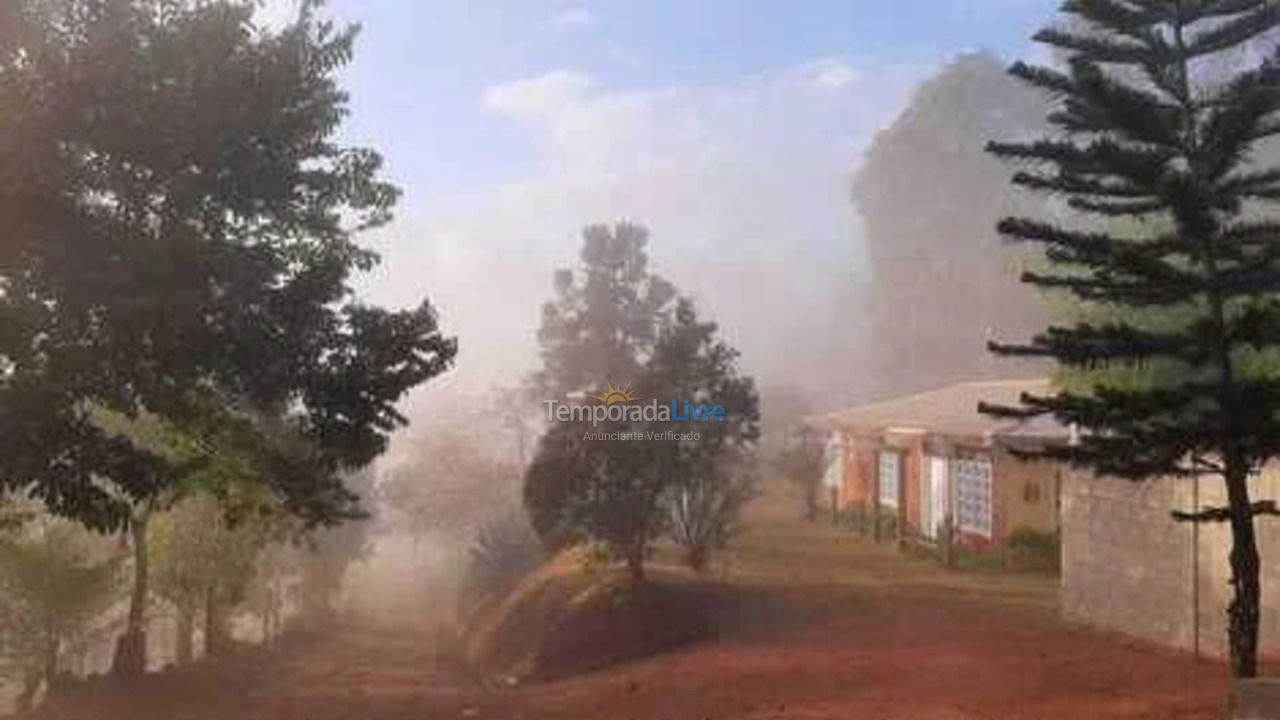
939 281
1156 128
180 224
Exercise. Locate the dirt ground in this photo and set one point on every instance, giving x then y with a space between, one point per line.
815 623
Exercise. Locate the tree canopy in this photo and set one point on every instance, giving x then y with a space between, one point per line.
614 322
180 226
928 196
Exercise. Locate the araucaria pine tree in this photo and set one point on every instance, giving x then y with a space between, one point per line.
1168 225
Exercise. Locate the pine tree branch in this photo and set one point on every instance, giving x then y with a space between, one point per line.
1090 345
1212 9
1250 184
1117 209
1067 183
1127 292
1143 167
1098 49
1234 32
1103 104
1042 77
1223 514
1117 16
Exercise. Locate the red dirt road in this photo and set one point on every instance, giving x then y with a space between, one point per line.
816 624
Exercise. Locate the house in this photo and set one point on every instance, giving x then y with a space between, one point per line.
930 467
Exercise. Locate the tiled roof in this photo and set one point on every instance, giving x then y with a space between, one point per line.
951 410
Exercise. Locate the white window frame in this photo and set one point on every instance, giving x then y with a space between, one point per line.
889 477
833 477
974 479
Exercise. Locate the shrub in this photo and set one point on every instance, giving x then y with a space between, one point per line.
1028 549
505 549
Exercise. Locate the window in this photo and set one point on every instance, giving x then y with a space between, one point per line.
834 476
973 495
890 478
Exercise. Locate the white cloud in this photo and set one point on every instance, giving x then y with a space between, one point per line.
832 73
574 18
744 187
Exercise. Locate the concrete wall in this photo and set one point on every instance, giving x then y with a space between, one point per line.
1128 566
1026 494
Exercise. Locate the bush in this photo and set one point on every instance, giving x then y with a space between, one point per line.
504 551
704 513
1036 550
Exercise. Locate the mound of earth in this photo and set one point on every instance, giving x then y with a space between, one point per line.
563 620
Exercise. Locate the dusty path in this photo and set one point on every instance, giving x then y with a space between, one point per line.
816 625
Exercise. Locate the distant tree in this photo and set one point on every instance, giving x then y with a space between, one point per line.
203 564
928 196
180 222
502 551
449 485
709 479
802 462
326 554
55 581
1153 128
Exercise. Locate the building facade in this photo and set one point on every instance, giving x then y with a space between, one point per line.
930 465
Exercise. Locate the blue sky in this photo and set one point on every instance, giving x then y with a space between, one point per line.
422 67
730 128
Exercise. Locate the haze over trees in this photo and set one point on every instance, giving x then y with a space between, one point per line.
180 239
1174 232
613 322
941 281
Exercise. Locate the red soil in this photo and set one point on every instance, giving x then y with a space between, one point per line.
812 624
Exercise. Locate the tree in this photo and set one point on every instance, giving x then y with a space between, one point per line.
181 223
327 553
503 550
450 485
54 583
202 562
1149 134
599 329
939 281
802 461
615 320
711 477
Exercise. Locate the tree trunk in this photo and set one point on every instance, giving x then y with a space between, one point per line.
635 561
51 644
131 650
26 699
185 650
1242 631
696 556
215 634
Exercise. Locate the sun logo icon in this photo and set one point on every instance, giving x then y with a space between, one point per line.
615 395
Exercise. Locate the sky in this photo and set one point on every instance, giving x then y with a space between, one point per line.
730 129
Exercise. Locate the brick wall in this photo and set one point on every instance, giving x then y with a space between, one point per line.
1128 566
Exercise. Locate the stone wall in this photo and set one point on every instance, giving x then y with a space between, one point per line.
1128 566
